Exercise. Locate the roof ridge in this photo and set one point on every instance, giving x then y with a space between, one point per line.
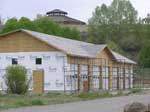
60 37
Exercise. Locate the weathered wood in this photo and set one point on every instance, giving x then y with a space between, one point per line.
124 78
38 81
110 77
118 79
90 85
100 78
22 42
79 77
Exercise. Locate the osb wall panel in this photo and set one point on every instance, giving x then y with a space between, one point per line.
22 42
104 59
38 82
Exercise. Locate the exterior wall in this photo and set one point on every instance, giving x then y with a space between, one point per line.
52 64
21 42
109 73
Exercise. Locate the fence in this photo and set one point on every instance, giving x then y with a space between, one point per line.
107 75
141 78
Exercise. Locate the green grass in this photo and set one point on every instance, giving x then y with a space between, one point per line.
37 102
16 101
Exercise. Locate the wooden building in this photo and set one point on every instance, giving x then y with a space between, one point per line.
61 17
146 20
60 64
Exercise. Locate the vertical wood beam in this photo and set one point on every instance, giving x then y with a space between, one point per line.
90 69
118 79
124 78
79 76
129 77
100 78
110 77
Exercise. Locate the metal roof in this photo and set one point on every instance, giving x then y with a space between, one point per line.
74 47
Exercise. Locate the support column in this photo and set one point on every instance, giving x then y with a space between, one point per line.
90 69
110 78
118 79
100 78
124 79
79 76
129 77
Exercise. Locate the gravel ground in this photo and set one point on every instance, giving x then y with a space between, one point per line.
100 105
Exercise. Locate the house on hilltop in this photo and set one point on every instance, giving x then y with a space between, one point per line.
59 64
61 17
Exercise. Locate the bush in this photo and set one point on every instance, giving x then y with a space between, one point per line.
16 79
136 90
37 102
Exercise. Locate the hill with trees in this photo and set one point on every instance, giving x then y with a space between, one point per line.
119 24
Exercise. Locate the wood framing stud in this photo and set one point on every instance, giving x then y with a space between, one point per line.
79 76
90 77
100 78
110 77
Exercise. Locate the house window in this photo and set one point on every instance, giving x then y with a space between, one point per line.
14 61
38 61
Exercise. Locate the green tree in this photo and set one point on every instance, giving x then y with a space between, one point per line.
144 55
112 22
25 23
10 25
41 24
16 79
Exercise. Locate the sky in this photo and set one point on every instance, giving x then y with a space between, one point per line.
80 9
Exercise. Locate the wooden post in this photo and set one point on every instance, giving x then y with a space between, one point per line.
124 79
79 76
110 77
129 77
89 77
100 78
118 79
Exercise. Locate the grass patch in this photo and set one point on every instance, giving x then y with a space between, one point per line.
94 95
15 101
21 104
37 102
136 90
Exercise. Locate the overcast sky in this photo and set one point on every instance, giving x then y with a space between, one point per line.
81 9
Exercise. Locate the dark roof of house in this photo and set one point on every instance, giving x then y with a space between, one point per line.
66 20
59 16
56 11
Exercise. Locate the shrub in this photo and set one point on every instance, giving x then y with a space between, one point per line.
37 102
136 90
16 79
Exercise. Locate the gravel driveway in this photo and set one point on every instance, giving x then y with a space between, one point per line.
99 105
